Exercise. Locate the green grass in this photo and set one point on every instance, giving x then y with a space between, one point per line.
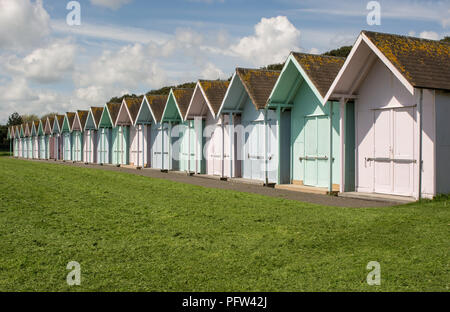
133 233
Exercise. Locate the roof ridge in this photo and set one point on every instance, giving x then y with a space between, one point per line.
406 36
320 55
259 69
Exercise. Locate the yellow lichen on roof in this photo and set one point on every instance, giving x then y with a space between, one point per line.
249 73
406 53
208 84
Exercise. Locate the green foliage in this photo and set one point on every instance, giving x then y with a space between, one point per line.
130 233
446 39
14 119
166 90
274 67
29 118
120 99
342 51
48 115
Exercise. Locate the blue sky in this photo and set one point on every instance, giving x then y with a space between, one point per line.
136 45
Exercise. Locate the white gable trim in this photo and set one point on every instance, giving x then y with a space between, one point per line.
226 95
124 103
144 99
378 53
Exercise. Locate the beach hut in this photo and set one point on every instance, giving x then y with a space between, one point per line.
105 132
151 140
309 134
140 141
207 142
48 130
125 132
178 130
69 118
41 139
58 141
35 139
253 151
90 138
400 88
23 149
77 135
129 138
15 141
28 140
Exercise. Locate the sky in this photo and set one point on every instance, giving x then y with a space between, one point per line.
134 46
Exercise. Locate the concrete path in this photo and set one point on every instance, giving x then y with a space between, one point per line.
235 186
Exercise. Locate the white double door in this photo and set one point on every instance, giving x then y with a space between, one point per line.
392 159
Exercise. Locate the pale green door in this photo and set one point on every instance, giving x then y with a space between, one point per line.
317 151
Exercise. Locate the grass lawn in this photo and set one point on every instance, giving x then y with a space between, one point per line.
133 233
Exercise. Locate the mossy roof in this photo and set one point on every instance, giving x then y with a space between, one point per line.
321 69
134 104
82 115
157 104
258 83
60 119
113 109
424 63
97 112
70 119
183 97
215 92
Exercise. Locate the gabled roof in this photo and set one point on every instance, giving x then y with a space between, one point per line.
321 69
59 120
258 83
50 121
214 92
97 114
133 105
27 130
183 98
35 127
424 63
415 62
157 104
70 119
113 109
82 117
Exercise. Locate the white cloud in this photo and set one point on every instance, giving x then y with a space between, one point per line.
110 32
129 68
429 35
45 65
110 4
314 51
212 72
22 23
18 96
274 38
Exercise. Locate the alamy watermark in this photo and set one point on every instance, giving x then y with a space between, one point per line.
374 16
374 276
74 276
74 16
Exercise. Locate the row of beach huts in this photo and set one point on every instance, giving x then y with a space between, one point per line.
376 122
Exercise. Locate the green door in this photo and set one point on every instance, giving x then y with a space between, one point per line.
317 151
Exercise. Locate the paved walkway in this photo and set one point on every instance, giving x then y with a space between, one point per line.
235 186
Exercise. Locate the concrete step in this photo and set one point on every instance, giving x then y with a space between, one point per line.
378 197
303 188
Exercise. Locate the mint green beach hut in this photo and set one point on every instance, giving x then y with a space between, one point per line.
314 132
180 130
